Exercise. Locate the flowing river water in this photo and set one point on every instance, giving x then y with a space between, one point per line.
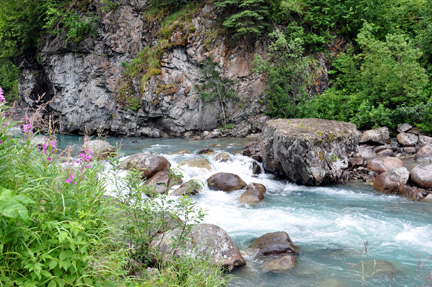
349 234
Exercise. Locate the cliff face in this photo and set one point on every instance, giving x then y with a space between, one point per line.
82 80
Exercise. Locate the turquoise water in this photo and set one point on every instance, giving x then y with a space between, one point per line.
349 234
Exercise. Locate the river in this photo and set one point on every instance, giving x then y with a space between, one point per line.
349 234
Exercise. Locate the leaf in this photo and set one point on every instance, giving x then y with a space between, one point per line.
52 264
52 283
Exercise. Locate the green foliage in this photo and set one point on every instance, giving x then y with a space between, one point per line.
245 18
57 228
216 88
9 79
285 70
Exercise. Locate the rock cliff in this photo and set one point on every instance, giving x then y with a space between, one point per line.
81 80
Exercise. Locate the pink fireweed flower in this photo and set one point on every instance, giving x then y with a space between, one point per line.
2 98
49 159
70 178
27 127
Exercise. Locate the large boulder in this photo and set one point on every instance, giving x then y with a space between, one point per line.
392 180
99 149
308 151
223 157
205 241
225 181
378 136
424 152
147 163
407 139
422 175
275 243
158 183
254 194
382 164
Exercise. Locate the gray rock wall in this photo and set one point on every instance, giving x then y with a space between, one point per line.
81 80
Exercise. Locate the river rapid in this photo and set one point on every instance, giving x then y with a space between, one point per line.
349 234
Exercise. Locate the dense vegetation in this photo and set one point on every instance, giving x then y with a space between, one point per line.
58 228
380 51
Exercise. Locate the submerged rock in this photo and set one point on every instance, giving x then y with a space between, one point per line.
308 151
205 151
225 181
205 241
147 163
279 265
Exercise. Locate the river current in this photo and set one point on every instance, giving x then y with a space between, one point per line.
349 234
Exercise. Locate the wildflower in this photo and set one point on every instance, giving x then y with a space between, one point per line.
2 98
69 179
49 159
27 128
1 142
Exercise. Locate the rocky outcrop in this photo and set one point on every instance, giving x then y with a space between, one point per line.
308 151
82 80
147 163
205 241
225 181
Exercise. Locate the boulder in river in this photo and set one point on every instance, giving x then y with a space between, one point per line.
158 183
205 151
422 175
197 162
308 151
274 243
225 181
382 164
378 136
204 241
392 180
223 157
254 194
99 149
190 187
147 163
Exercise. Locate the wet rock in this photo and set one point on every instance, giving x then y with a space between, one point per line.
223 157
198 162
424 152
422 175
225 182
407 139
205 151
401 128
158 183
392 180
253 149
280 265
308 151
367 153
377 268
428 198
382 164
412 192
254 194
147 163
409 150
275 243
256 168
99 149
190 187
205 241
378 136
